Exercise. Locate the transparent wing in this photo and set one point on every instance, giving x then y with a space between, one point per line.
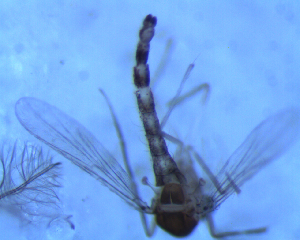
72 140
266 142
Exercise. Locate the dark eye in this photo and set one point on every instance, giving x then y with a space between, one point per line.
205 208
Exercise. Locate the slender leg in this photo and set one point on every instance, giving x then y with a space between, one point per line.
212 231
211 176
163 63
149 230
203 87
177 99
206 169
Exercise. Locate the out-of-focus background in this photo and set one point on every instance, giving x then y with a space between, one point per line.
63 51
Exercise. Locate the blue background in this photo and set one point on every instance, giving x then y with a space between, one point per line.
248 51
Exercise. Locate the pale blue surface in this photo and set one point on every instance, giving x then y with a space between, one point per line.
248 51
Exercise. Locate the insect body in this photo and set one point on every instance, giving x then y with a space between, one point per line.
182 202
180 207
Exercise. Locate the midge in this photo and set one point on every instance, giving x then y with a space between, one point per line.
182 200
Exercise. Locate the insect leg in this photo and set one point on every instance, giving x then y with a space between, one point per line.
206 169
162 64
213 233
149 230
202 87
177 99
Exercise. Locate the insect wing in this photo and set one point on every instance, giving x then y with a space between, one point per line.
267 141
72 140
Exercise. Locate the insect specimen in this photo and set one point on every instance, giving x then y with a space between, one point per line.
181 201
29 180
